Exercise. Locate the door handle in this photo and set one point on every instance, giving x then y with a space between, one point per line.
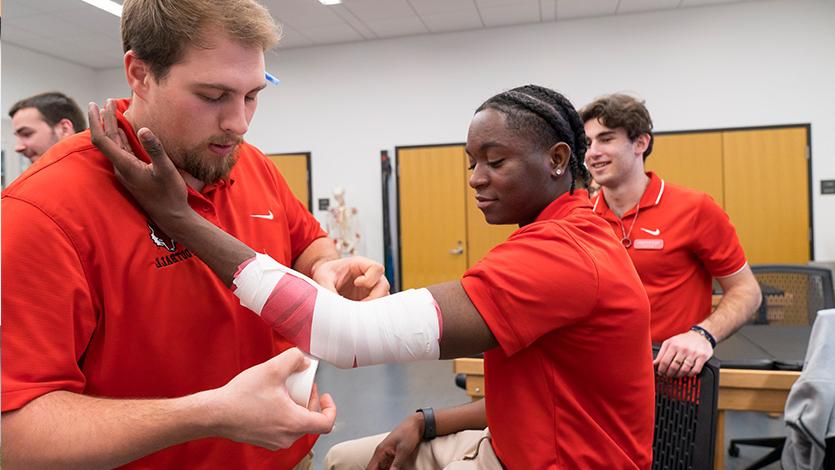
458 250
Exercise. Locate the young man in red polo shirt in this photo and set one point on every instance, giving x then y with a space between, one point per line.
558 308
118 343
678 238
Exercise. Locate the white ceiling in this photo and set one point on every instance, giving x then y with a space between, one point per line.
77 32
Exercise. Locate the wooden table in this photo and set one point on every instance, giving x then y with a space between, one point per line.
739 390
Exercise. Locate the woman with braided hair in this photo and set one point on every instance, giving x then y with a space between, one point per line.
557 309
571 385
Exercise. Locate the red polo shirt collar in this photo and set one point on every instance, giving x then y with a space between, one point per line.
651 197
563 205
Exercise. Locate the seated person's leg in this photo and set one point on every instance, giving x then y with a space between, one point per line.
354 454
440 452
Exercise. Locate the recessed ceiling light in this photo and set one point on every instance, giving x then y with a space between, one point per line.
106 5
330 2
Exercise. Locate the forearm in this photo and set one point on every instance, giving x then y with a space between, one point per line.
222 252
68 430
736 308
318 252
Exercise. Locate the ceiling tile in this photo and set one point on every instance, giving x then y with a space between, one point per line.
692 3
503 15
635 6
584 8
435 7
353 20
303 13
369 10
54 6
395 27
14 9
438 23
331 34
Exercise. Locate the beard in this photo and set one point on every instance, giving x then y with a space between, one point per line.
204 165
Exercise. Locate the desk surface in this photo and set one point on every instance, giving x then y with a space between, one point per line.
763 347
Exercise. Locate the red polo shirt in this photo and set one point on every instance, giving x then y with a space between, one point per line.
681 239
571 385
98 301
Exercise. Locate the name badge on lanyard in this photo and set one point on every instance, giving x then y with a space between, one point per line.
648 244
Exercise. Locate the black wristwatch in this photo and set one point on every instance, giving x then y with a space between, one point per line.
429 431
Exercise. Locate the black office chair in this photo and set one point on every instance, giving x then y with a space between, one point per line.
685 420
796 293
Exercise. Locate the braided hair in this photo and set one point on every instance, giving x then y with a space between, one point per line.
548 118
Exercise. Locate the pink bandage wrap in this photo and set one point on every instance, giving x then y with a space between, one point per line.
289 310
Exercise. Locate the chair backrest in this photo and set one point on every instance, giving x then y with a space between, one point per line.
685 420
794 293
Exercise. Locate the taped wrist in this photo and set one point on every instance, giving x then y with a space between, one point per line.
398 328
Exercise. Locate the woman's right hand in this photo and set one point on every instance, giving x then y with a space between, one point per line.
158 187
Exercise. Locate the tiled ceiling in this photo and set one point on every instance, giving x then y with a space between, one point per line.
77 32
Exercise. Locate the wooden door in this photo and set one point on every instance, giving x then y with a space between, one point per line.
295 168
767 193
693 160
433 225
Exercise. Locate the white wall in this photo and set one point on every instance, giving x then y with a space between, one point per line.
738 65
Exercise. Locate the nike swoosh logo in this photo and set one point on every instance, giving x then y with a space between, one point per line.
654 233
268 216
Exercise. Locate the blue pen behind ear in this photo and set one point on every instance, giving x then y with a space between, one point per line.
271 78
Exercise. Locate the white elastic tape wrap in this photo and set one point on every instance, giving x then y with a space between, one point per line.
257 280
300 384
398 328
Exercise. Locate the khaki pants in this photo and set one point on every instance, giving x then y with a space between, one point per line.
466 450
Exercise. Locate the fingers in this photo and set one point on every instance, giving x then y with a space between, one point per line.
369 278
380 460
162 164
123 162
322 421
111 125
288 362
374 279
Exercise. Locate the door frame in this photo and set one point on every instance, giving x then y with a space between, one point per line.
810 183
397 187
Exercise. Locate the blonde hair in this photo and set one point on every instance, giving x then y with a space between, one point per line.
158 31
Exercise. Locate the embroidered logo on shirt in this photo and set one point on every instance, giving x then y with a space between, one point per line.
268 216
654 233
160 239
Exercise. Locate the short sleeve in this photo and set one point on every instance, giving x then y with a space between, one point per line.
716 243
48 312
537 281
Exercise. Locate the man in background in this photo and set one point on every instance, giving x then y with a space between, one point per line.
42 120
678 239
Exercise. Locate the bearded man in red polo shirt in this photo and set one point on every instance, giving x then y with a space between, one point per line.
678 239
118 342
